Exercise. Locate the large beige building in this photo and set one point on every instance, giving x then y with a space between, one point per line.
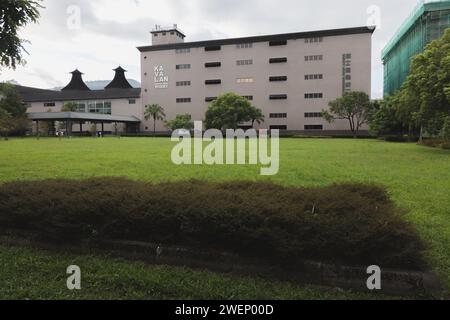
291 77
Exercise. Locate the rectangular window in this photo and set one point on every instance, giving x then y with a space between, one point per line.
132 101
318 57
244 80
313 115
278 127
213 64
209 99
213 48
278 78
278 60
314 40
250 98
215 81
314 77
101 107
183 50
183 66
244 62
278 97
313 127
184 100
278 115
244 45
313 95
49 104
278 43
183 83
81 107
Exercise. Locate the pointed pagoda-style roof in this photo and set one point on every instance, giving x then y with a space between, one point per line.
76 83
119 81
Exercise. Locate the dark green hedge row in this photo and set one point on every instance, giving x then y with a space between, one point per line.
348 224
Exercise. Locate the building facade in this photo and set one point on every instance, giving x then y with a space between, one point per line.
427 22
291 77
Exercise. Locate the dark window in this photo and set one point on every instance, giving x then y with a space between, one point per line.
183 100
132 101
313 127
278 97
313 115
209 99
213 64
278 115
278 43
313 95
250 98
278 60
215 81
314 77
183 66
183 83
49 104
280 78
213 48
278 127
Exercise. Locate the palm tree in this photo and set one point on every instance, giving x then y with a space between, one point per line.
156 112
256 115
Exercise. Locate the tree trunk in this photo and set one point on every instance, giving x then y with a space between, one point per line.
154 126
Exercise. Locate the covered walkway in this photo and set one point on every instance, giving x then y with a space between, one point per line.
72 118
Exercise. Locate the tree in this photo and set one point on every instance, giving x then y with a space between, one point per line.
256 115
15 14
11 101
425 95
181 122
155 112
69 107
228 112
352 106
445 132
5 123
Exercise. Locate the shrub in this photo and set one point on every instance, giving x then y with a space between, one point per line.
344 224
395 139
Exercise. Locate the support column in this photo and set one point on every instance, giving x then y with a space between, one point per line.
81 128
37 128
103 127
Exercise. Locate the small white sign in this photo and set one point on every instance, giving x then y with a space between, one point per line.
161 78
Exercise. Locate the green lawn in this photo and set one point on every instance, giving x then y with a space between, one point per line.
418 179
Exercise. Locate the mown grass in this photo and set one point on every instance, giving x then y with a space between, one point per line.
35 274
417 178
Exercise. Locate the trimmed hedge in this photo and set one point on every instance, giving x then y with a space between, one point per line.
348 224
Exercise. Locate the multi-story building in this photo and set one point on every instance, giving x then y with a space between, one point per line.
426 23
291 77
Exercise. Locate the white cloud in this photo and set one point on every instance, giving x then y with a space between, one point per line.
111 30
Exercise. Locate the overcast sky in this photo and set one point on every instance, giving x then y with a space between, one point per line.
110 30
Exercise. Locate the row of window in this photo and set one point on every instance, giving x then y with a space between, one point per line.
307 115
252 80
250 45
271 97
103 107
307 127
247 62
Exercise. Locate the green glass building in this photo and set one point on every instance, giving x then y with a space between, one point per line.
426 23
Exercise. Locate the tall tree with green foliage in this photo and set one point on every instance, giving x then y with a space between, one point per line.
354 107
15 14
256 116
229 111
5 123
425 96
181 121
155 112
11 101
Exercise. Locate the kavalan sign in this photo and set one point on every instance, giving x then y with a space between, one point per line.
161 78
